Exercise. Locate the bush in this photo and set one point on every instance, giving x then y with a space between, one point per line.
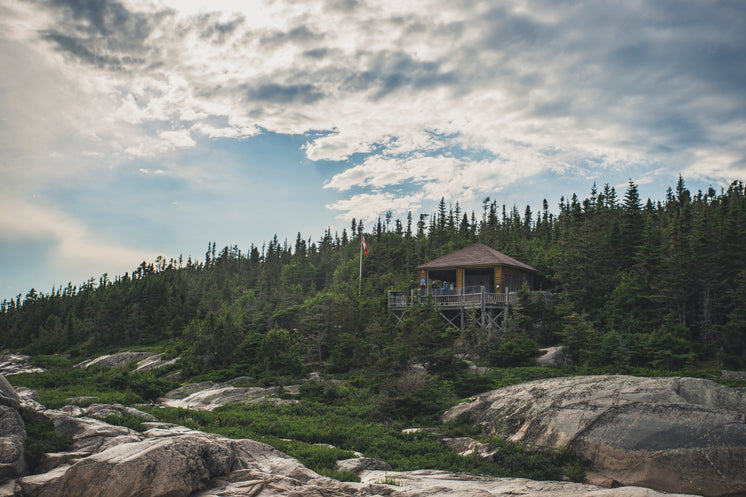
126 420
41 438
414 393
516 351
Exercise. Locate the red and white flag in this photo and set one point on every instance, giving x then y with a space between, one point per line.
365 247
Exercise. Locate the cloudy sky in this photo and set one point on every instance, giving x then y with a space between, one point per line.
131 129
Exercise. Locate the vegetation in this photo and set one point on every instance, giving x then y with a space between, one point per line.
41 438
634 284
349 418
648 288
62 381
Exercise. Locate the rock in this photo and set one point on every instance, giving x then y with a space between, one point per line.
429 483
433 431
737 375
83 399
8 489
172 467
466 446
670 434
360 464
11 364
92 435
160 430
34 485
173 461
74 411
56 459
8 395
153 362
29 398
12 433
101 411
207 396
553 357
113 360
186 390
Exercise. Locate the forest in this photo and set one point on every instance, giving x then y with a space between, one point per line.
627 284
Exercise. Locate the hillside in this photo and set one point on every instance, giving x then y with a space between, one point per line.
634 284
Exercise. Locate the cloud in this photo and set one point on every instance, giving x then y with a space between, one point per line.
71 244
447 98
367 206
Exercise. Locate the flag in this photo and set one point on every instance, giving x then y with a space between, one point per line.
365 247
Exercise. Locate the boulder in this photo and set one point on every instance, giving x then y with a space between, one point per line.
553 357
12 433
670 434
92 435
29 399
467 446
167 467
360 464
101 411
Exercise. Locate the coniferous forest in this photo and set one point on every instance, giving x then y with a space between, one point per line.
628 284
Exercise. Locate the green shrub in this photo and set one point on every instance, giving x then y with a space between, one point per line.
340 475
126 420
575 472
516 351
42 438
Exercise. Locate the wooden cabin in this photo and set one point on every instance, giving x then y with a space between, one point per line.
476 266
476 277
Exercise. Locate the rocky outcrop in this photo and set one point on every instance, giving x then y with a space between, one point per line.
671 434
102 411
360 464
12 433
467 446
429 483
173 461
145 361
167 466
92 435
114 360
153 362
553 357
11 364
206 396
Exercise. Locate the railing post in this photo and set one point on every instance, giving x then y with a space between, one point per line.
483 305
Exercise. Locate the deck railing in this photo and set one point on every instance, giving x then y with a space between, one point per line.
451 298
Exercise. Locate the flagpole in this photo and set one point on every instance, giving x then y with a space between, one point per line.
360 277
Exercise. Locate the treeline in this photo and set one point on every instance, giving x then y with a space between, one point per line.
632 283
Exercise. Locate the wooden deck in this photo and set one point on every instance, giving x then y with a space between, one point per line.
399 301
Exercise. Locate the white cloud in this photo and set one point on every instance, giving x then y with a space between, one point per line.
509 89
178 139
72 245
368 206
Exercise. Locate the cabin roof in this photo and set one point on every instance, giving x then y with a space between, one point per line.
475 255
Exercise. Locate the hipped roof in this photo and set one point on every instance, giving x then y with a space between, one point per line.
475 255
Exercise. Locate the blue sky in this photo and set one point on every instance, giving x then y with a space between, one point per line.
131 129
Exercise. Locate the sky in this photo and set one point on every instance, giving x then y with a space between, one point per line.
132 129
